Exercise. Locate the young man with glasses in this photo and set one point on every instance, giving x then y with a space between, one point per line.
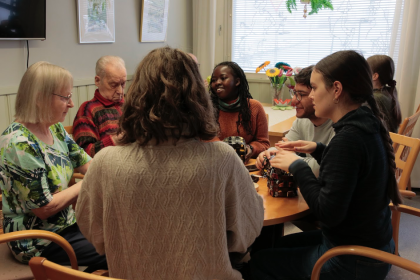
97 120
307 126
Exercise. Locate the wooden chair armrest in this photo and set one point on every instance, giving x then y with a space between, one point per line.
366 252
407 193
78 176
101 272
43 234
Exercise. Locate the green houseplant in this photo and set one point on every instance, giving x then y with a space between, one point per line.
316 5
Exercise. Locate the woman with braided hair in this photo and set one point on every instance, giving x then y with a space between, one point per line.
237 113
356 182
384 90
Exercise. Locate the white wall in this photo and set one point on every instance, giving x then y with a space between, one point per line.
62 48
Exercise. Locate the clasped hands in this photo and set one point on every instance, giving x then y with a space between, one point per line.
285 153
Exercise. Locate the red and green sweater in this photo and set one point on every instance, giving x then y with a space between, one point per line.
94 123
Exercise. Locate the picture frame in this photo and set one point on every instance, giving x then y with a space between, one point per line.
154 20
96 21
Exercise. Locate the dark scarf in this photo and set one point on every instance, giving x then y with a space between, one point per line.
230 108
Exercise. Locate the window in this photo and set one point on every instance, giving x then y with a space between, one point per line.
264 30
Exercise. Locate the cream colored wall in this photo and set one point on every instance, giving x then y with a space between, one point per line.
62 48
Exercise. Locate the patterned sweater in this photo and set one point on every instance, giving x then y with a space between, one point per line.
94 123
170 212
259 126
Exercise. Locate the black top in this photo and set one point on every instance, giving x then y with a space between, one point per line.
349 197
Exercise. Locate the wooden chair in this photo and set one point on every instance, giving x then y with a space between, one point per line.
393 259
406 129
43 269
69 130
405 163
43 234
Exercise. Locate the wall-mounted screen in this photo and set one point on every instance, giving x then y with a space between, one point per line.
22 19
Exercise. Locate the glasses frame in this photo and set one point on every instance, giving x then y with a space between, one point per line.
298 94
68 97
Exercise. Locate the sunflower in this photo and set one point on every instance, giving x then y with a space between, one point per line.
262 66
272 72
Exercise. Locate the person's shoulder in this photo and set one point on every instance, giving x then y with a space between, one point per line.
87 106
255 103
221 149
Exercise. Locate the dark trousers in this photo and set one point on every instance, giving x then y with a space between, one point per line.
85 252
295 255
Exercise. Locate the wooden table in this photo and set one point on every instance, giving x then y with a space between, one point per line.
278 210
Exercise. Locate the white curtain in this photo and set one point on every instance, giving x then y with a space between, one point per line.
204 34
408 70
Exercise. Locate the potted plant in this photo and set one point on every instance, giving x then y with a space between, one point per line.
316 5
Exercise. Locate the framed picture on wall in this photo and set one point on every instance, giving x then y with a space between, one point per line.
154 20
96 20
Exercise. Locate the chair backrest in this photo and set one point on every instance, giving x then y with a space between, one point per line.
404 162
43 234
43 269
268 119
393 259
69 129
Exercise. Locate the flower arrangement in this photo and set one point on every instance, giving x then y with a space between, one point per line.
316 5
278 76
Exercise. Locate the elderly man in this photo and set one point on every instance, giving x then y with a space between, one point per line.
97 120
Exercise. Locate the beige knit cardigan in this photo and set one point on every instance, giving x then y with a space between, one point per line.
169 212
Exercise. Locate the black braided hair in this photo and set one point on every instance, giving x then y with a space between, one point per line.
384 66
354 73
244 116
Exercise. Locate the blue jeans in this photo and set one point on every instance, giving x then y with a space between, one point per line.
294 256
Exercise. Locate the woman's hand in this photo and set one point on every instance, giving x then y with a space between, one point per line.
284 159
300 146
260 159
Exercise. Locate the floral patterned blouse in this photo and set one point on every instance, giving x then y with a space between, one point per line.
30 173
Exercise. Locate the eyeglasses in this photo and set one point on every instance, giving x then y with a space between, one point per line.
299 94
68 97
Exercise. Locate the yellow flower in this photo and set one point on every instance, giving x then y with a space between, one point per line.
272 72
262 66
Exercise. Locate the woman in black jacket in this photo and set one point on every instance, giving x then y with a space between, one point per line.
356 182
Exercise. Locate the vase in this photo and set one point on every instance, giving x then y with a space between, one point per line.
280 95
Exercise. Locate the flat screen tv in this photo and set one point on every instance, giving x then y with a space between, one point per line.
22 19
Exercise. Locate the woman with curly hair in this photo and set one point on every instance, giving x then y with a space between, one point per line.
167 203
237 113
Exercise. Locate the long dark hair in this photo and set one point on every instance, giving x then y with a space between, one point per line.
244 116
167 98
354 73
384 66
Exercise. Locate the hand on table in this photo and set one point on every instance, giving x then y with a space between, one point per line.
297 146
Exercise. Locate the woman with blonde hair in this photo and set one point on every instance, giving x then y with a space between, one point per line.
37 161
168 204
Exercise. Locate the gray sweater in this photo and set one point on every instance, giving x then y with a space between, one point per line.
304 129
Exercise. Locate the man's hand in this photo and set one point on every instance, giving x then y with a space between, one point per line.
260 158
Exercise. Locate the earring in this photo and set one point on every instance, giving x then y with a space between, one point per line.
336 100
